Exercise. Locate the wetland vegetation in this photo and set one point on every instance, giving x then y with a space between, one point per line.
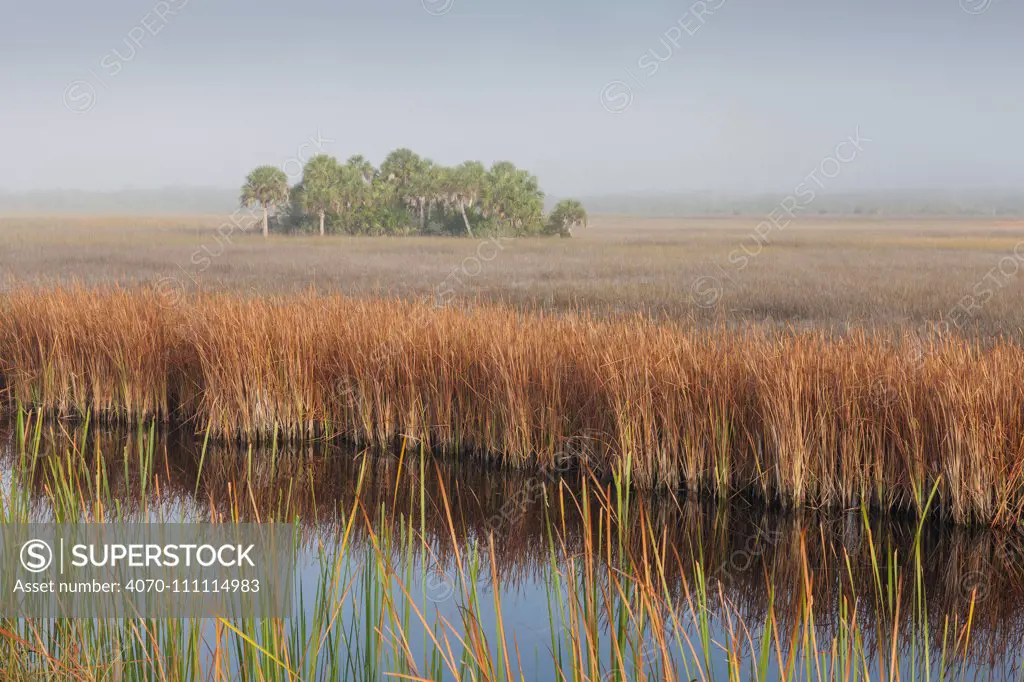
415 567
561 473
687 345
799 419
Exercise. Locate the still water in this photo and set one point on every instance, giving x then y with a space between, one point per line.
437 553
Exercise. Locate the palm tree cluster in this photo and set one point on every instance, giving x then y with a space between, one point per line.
408 194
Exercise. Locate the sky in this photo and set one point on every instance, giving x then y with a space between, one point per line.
594 96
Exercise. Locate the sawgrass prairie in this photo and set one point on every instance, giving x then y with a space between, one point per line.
821 272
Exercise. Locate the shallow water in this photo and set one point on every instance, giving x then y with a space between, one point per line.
528 541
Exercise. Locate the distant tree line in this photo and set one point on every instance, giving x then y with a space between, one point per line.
408 194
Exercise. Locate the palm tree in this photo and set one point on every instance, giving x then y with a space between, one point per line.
267 187
435 183
404 170
401 166
422 190
513 198
355 197
465 187
363 167
567 215
321 186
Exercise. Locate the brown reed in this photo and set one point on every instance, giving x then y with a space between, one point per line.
802 418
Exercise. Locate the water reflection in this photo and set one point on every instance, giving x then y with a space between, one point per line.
842 560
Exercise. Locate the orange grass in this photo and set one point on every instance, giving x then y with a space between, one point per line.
801 418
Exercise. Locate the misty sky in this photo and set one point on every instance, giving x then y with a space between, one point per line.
747 99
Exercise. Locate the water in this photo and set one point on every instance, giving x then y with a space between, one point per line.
424 523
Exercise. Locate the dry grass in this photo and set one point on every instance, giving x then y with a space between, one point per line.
826 273
803 418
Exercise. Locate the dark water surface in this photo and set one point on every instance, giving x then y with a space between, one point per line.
518 524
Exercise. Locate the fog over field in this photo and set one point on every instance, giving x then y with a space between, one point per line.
220 200
741 97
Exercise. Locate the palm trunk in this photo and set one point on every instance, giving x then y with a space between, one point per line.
266 226
321 223
423 215
465 219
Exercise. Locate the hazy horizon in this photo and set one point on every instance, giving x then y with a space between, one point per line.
600 98
993 202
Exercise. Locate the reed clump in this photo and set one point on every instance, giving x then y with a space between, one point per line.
804 418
